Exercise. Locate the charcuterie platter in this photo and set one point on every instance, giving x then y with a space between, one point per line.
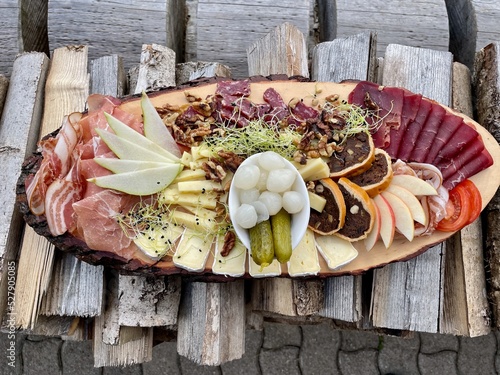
260 177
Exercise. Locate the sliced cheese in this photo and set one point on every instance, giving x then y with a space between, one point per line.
317 202
336 251
192 250
274 269
231 265
190 175
193 222
172 195
199 187
304 260
314 169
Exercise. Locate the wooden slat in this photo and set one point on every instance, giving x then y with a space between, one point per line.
465 305
157 68
343 59
19 128
33 34
4 85
211 327
487 92
9 15
420 23
281 51
193 70
107 76
66 91
176 28
124 25
221 31
400 288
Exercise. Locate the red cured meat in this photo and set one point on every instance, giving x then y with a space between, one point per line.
411 104
428 133
279 109
456 143
389 101
473 149
234 88
413 130
451 123
302 113
476 165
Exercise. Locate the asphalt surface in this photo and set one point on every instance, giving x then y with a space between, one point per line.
277 349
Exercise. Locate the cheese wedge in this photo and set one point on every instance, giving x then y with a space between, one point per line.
234 263
304 260
335 250
192 250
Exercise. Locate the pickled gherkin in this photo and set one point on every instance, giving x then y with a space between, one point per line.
282 235
261 243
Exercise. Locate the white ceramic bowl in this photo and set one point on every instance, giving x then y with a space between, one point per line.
300 220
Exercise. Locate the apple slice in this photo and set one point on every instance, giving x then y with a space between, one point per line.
373 236
387 220
126 132
413 184
416 209
402 215
142 182
124 166
128 150
154 128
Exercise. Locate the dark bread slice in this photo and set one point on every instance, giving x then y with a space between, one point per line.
376 178
332 218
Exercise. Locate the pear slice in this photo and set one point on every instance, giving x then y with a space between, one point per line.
142 182
129 134
125 166
128 150
155 129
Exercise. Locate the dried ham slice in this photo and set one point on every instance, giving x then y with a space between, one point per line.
279 109
411 104
451 123
456 143
476 165
389 103
473 149
428 133
413 130
233 88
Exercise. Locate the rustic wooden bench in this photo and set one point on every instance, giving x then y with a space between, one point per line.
442 290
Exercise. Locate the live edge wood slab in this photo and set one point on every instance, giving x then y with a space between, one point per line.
487 181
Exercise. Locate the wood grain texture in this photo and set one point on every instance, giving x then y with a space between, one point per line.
107 76
19 128
400 289
486 83
420 23
9 15
211 327
33 35
342 59
281 51
465 305
66 91
157 68
4 86
124 25
222 31
193 70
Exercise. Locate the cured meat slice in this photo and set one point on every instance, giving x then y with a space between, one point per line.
413 130
449 167
302 113
411 105
451 123
456 143
476 165
234 88
428 133
279 109
386 101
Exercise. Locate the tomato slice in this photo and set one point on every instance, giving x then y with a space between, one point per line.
467 204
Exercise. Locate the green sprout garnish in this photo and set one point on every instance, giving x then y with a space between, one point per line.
257 136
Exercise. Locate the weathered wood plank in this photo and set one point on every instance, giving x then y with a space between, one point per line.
400 288
486 84
465 305
9 15
193 70
344 58
211 326
107 76
19 128
473 25
33 35
221 31
281 51
420 23
157 68
66 91
4 86
125 25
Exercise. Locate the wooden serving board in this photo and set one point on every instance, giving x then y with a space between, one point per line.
487 181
